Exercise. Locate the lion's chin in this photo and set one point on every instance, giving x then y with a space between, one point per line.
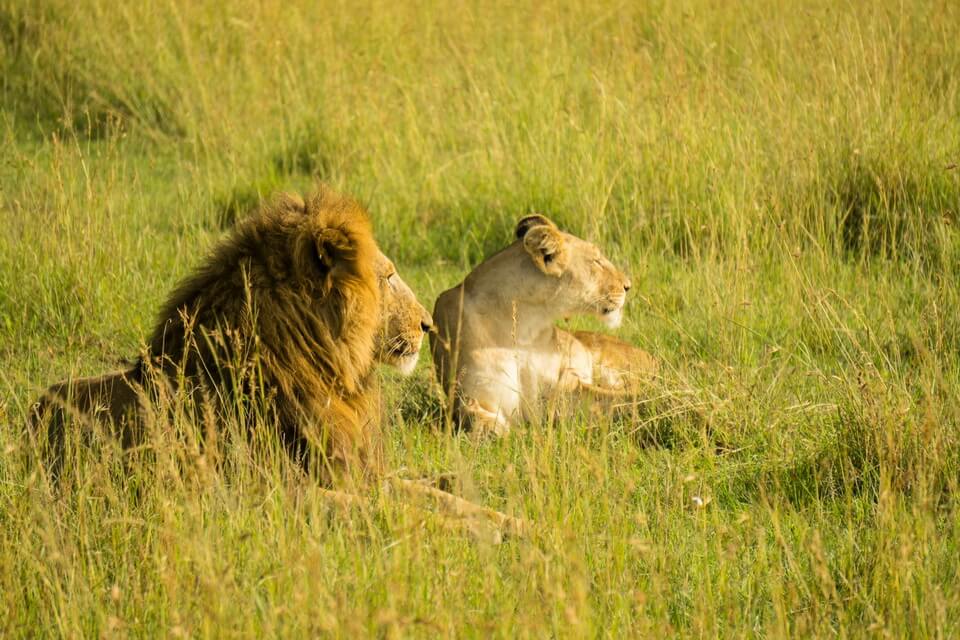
612 319
407 363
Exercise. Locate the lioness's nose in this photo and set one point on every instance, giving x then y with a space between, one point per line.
626 285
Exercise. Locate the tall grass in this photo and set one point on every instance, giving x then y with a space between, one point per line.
780 179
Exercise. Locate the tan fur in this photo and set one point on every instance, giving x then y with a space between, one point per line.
497 352
617 365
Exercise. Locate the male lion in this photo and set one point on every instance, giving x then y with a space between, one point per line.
284 321
287 307
497 352
118 399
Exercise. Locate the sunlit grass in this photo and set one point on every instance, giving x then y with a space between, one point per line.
780 180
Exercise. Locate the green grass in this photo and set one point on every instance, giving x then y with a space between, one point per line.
780 179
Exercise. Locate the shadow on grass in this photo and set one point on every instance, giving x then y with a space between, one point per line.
887 210
670 424
859 458
305 155
51 88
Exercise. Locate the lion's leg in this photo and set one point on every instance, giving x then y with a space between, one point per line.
344 500
452 505
47 424
453 514
105 404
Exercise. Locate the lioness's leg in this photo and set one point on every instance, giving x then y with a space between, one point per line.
473 417
616 363
604 392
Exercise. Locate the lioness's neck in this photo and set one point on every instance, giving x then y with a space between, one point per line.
513 309
512 321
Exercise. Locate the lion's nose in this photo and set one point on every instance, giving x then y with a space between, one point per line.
626 286
426 323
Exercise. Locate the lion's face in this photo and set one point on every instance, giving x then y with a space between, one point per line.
404 321
579 278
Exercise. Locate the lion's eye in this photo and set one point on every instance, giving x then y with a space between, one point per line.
392 280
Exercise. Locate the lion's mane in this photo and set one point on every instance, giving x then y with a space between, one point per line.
281 318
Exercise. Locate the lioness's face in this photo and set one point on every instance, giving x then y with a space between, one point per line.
588 281
604 287
403 323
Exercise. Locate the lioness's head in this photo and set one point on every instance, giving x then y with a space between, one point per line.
403 321
589 283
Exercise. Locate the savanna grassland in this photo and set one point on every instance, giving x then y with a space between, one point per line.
780 179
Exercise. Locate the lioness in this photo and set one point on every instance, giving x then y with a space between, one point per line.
496 350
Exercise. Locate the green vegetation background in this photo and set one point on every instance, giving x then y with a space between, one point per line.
780 179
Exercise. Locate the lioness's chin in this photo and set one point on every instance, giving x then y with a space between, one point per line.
612 319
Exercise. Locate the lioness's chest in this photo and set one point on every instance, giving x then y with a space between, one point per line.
520 379
538 372
527 373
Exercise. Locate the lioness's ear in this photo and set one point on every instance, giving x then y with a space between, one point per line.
544 243
528 222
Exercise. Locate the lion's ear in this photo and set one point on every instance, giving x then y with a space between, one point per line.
545 245
528 222
320 252
333 247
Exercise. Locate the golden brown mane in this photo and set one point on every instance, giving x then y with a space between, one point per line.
286 308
